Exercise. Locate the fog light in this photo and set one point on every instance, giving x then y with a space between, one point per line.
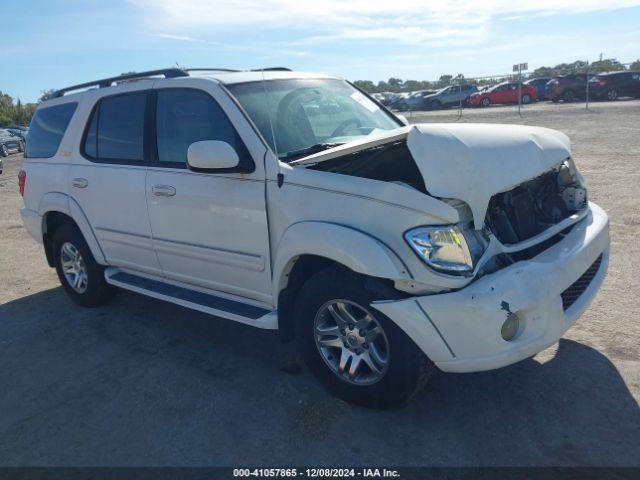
510 326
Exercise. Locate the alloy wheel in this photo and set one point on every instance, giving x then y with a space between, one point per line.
73 267
612 95
351 342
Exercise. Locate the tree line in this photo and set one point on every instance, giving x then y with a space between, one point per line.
15 113
398 85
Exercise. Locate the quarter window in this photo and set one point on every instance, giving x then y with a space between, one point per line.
47 129
185 116
116 129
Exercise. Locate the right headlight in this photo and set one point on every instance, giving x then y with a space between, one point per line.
447 248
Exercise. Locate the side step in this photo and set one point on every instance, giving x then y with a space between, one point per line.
194 299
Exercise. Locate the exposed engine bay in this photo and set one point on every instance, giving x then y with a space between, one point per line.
535 205
391 162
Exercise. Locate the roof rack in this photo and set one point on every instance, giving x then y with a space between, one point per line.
271 69
107 82
210 69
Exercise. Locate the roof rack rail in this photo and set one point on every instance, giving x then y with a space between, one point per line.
107 82
271 69
200 69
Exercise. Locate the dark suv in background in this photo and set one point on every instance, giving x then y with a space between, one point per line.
10 143
567 88
615 84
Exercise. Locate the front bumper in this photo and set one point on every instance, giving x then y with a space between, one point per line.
461 331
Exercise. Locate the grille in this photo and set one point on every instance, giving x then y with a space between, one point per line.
571 294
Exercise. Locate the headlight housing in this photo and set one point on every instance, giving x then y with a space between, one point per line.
448 248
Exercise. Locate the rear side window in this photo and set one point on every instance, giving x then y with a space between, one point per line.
185 116
116 129
47 129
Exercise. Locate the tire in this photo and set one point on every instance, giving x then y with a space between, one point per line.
402 367
612 94
435 105
568 96
526 99
91 292
485 102
21 147
3 151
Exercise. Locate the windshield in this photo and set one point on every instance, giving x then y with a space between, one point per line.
309 115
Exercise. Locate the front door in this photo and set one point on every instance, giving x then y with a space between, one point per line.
208 229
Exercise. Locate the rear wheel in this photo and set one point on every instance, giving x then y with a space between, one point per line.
3 151
612 94
569 96
80 275
358 353
526 98
485 102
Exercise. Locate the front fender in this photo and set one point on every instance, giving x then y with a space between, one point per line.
352 248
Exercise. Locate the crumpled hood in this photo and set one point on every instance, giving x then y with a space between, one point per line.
473 162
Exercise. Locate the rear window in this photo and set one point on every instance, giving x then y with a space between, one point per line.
47 129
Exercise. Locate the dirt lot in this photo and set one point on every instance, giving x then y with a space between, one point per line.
140 382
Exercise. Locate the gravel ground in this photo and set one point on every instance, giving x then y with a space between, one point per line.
140 382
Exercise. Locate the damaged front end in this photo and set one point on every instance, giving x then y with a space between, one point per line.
516 189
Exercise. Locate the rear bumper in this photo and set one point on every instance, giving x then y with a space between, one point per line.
33 223
461 331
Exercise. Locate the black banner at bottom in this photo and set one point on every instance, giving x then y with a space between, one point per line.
398 473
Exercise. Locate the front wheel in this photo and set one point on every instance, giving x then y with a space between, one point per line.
612 94
3 151
80 275
569 96
358 353
526 99
485 102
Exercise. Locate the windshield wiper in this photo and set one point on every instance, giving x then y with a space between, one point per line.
303 152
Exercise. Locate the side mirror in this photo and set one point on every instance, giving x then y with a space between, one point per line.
211 155
403 119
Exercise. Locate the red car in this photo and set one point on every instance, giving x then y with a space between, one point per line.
506 92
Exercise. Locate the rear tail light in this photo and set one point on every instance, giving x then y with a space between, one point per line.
22 181
601 81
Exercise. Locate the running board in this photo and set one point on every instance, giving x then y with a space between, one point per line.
194 299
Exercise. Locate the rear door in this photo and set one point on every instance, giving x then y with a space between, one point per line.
107 181
209 229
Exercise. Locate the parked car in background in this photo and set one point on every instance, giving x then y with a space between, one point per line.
540 84
10 143
415 100
567 88
397 101
615 84
506 92
450 96
18 132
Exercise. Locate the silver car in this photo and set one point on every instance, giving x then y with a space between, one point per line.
450 96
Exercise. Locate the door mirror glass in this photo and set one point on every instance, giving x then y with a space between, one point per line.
211 155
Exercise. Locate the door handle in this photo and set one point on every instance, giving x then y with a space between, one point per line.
80 182
163 190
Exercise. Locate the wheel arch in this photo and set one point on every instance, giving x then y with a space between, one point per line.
308 247
56 209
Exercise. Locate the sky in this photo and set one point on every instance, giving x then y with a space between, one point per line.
56 43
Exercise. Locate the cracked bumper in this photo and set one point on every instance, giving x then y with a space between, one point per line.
460 331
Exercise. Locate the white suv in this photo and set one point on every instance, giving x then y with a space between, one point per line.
294 201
